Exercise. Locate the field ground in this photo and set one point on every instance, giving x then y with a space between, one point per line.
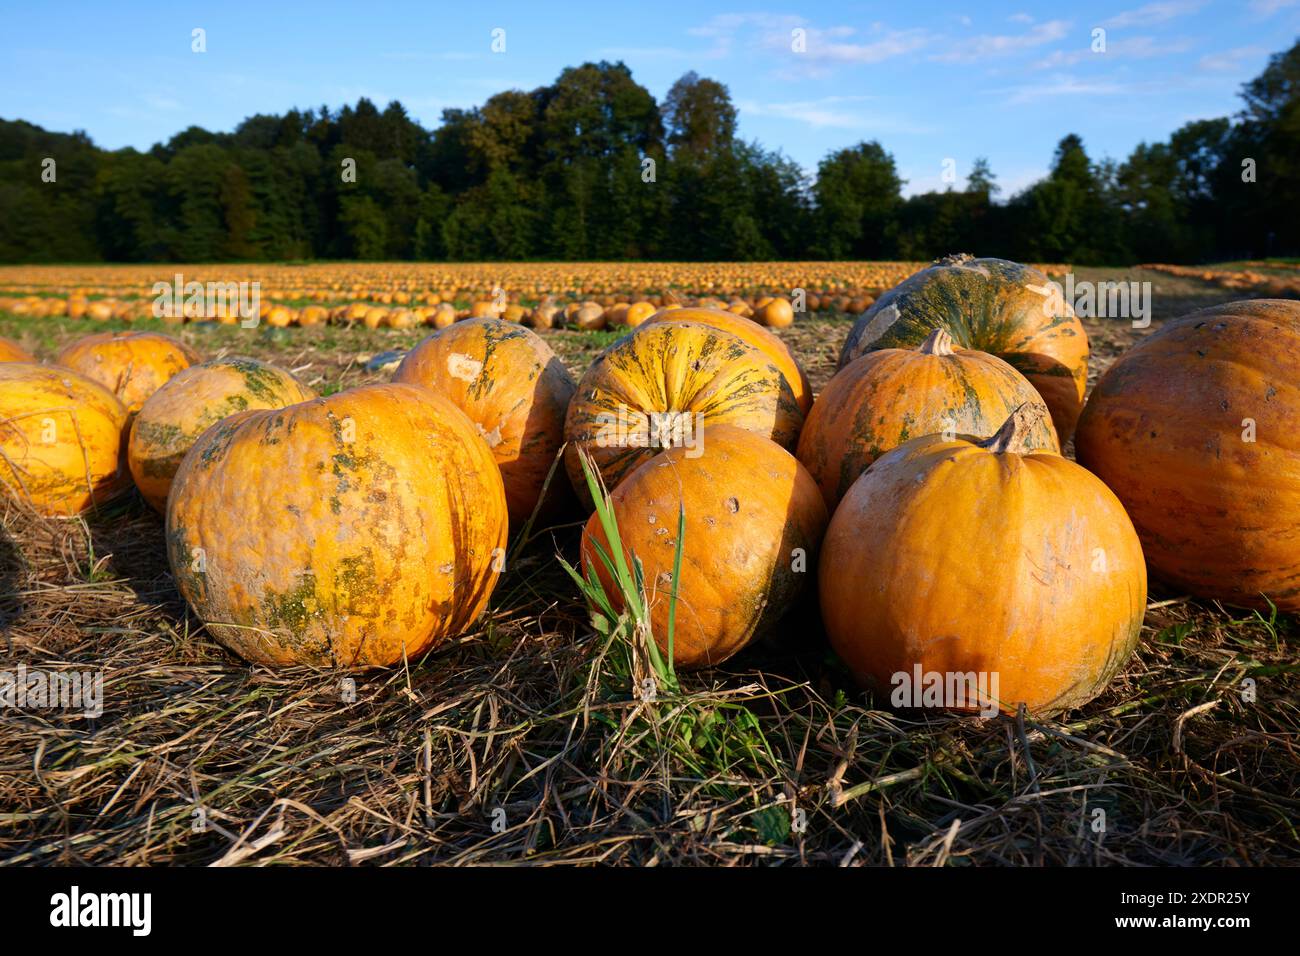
520 741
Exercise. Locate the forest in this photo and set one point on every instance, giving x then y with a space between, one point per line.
592 167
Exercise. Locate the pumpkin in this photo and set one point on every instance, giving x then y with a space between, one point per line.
60 439
133 365
777 352
775 313
513 388
882 399
637 313
172 418
1004 308
590 317
754 520
1195 429
687 376
983 558
11 351
350 531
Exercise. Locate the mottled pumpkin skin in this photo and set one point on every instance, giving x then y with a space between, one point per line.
60 439
11 351
882 399
754 521
132 365
959 559
1165 428
514 389
1004 308
679 367
771 345
346 531
172 418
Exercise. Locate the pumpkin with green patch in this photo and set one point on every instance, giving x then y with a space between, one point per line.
60 439
351 531
172 418
514 389
983 557
132 365
659 385
884 398
1004 308
753 522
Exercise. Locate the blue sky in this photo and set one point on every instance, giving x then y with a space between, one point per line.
932 81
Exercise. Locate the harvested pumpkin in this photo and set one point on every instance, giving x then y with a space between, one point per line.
775 313
754 520
882 399
777 352
1007 309
658 386
1195 429
11 351
172 418
132 365
984 558
514 389
60 439
350 531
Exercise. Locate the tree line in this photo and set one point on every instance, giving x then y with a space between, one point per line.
592 167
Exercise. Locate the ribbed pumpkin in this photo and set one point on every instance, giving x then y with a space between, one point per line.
754 520
172 418
960 557
132 365
766 342
11 351
687 374
882 399
348 531
514 389
1197 430
60 439
1004 308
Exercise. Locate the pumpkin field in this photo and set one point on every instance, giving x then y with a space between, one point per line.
624 563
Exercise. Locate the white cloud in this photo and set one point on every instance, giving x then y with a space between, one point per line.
1228 60
1020 18
828 112
1062 85
992 45
823 45
1155 13
1140 47
1266 8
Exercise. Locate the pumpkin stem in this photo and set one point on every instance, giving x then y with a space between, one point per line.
955 259
939 342
1014 434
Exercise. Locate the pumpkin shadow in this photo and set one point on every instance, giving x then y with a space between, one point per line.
13 568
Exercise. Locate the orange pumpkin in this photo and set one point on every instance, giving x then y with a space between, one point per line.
350 531
173 417
777 352
60 439
659 385
1004 308
1195 429
959 558
130 364
515 391
882 399
754 520
775 313
11 351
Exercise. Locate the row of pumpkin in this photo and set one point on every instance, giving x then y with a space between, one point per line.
926 494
